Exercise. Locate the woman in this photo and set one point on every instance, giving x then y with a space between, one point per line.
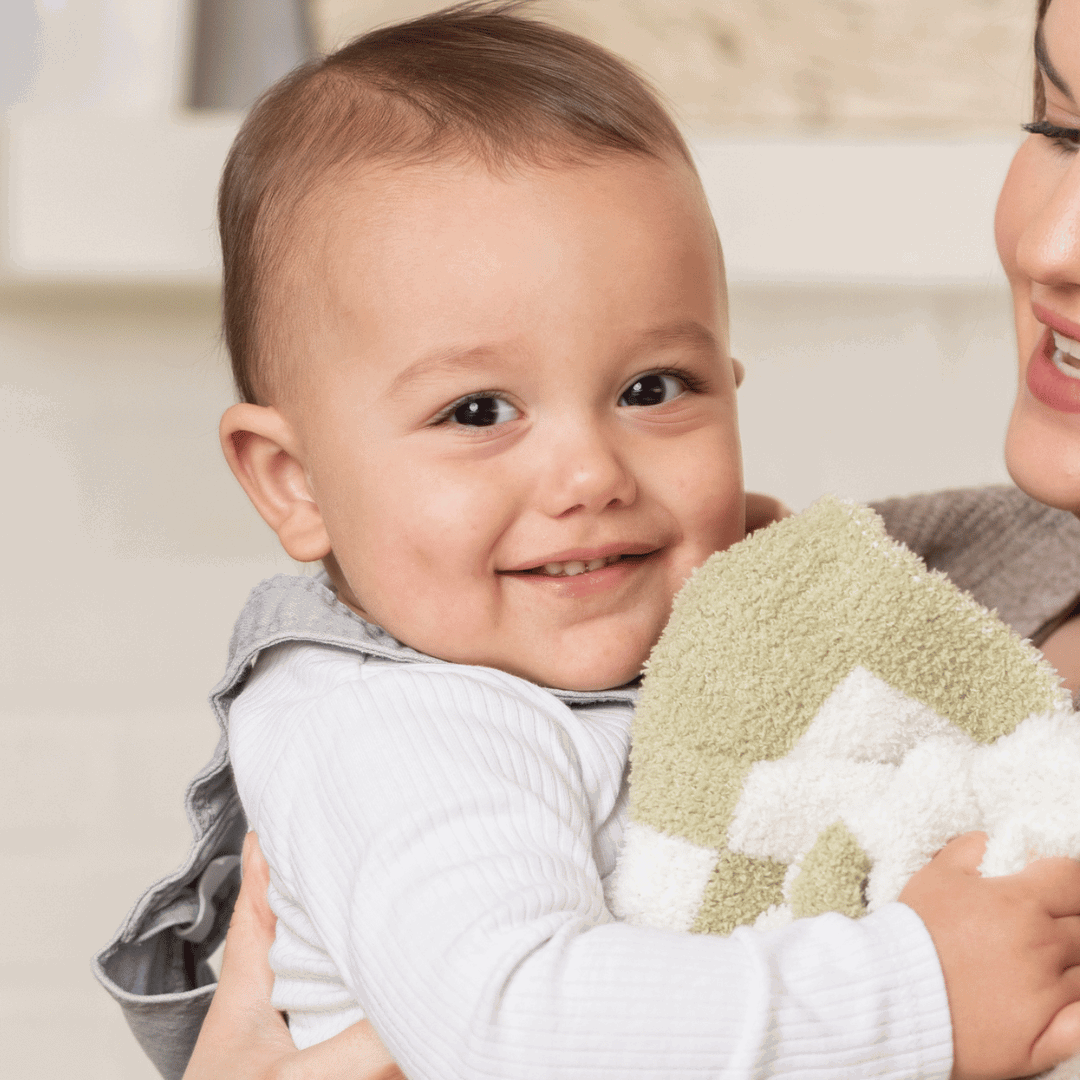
1038 238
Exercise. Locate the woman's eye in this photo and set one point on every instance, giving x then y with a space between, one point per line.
1064 138
483 411
652 390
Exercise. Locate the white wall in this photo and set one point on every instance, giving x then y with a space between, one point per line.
126 555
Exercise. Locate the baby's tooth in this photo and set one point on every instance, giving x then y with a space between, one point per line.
578 566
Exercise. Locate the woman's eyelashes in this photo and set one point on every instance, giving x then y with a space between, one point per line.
1064 138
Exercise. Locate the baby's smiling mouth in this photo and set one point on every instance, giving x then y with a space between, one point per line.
574 567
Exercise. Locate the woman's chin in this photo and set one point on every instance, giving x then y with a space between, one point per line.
1042 452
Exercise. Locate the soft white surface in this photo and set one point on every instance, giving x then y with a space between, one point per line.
905 781
660 880
438 838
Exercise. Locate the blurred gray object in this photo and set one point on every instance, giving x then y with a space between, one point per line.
19 51
240 47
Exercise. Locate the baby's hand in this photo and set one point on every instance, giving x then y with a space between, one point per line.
1008 947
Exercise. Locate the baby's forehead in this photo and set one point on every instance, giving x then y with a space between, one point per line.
369 200
367 235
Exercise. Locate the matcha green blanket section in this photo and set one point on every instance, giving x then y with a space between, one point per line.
764 642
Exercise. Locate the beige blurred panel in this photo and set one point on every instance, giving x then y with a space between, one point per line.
840 67
128 549
868 391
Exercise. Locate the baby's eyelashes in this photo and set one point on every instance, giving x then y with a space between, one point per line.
478 410
488 408
653 389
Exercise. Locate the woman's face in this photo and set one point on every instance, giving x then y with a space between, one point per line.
1038 239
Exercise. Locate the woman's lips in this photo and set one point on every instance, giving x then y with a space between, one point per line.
1047 384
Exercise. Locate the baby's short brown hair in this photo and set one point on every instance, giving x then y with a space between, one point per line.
475 82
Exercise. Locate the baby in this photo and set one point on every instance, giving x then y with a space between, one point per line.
476 308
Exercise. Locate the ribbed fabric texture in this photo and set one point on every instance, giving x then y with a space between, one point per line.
438 838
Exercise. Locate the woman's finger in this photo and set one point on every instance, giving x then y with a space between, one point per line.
243 1036
357 1053
247 980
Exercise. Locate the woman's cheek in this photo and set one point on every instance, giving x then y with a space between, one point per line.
1014 207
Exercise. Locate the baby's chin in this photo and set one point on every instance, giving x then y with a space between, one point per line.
580 672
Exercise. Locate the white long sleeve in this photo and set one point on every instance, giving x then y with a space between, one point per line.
438 836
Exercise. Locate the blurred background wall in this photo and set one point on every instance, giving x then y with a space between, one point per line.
852 150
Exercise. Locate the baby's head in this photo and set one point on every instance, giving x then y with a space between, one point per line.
476 310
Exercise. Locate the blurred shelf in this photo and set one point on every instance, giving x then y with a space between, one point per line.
99 199
884 212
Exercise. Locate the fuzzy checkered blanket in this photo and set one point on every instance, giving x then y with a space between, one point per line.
821 715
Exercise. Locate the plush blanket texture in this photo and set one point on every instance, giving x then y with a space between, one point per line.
820 716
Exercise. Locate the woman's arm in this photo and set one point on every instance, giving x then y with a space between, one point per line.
243 1036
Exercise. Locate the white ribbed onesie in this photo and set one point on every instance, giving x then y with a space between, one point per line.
438 836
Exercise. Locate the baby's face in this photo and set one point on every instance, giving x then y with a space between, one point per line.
519 423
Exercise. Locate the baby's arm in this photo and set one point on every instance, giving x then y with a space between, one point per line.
434 830
245 1039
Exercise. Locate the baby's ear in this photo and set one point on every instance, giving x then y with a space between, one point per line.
740 371
263 453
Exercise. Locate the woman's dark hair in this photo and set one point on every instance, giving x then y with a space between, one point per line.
1039 100
474 82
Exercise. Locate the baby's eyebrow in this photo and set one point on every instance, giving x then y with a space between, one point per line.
452 359
1042 58
684 332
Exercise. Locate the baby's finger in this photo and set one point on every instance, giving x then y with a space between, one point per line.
1058 882
964 852
1059 1040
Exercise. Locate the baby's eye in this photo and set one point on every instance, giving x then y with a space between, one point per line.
653 389
482 410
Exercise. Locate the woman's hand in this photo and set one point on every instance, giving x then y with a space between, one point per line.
243 1036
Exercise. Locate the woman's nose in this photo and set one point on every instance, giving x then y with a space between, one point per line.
1048 250
586 472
